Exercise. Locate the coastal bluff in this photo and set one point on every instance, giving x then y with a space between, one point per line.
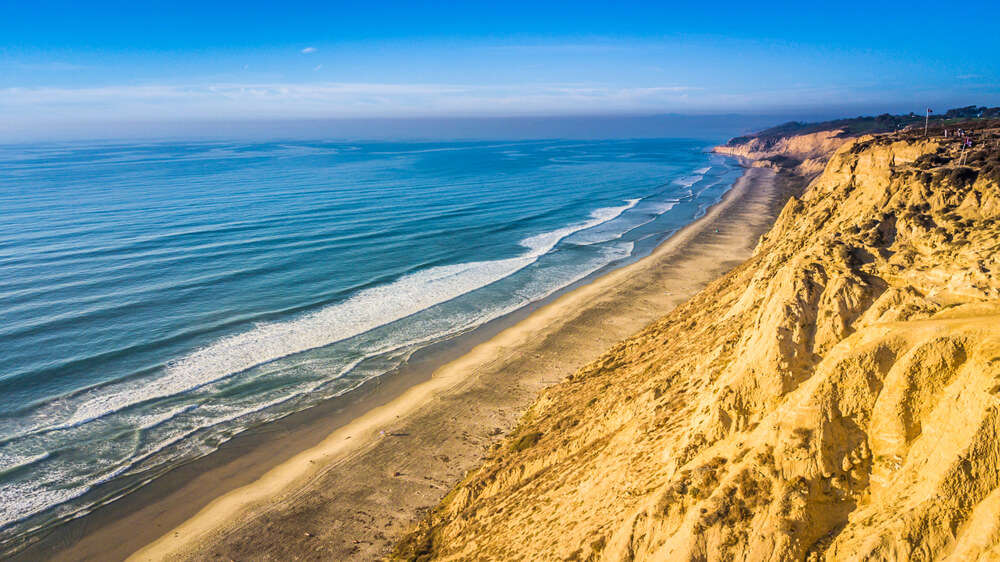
805 154
835 397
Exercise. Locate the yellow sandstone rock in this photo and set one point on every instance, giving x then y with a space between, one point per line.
836 397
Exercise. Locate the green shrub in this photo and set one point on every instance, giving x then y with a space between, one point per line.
929 161
526 441
962 176
991 171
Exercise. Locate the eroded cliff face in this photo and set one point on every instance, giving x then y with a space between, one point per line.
836 397
806 154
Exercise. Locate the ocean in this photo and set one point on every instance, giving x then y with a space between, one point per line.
156 299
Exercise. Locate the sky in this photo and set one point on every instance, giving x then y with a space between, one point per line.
100 67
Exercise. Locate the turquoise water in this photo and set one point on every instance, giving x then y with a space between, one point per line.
157 299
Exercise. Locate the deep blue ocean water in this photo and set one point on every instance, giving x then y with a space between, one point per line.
157 299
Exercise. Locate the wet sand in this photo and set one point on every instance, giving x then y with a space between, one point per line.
343 480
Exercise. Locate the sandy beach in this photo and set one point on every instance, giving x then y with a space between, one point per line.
345 480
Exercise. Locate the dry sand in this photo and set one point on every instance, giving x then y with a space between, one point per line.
356 491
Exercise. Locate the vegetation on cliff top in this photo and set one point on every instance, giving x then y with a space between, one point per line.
884 123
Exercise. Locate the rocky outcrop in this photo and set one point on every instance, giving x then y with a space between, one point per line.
836 397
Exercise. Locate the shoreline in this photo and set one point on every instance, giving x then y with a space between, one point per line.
252 452
282 462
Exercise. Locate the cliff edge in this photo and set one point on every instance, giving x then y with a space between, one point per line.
835 397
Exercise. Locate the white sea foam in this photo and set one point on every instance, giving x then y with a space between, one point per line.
11 462
656 208
149 422
660 207
703 170
23 499
365 310
688 181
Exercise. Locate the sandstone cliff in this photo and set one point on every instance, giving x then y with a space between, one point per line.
806 154
836 397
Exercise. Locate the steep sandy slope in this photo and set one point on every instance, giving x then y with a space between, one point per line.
835 397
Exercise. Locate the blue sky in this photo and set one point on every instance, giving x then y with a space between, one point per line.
94 62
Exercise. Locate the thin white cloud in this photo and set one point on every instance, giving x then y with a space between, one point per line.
332 99
317 67
308 50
